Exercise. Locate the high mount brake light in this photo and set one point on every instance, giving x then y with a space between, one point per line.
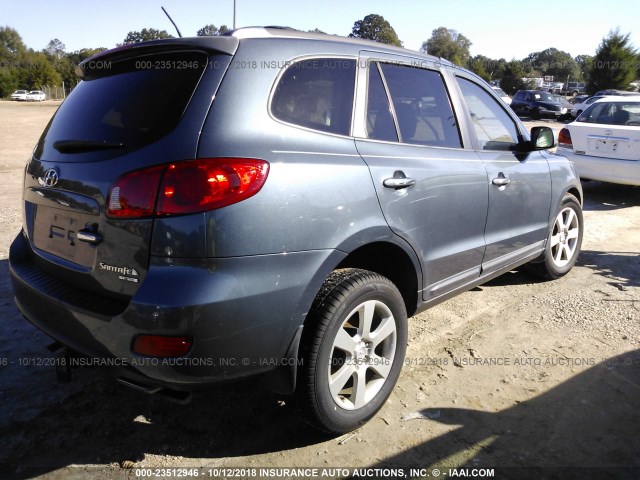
186 187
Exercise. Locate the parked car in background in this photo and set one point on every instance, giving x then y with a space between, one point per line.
501 93
613 92
552 87
535 104
604 141
280 222
36 96
577 99
565 113
20 95
573 88
578 108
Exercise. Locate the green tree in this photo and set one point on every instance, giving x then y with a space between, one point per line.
79 55
39 72
493 69
553 62
56 53
72 60
512 77
211 30
146 34
11 44
614 65
449 44
9 81
477 65
12 60
316 30
55 49
376 28
584 63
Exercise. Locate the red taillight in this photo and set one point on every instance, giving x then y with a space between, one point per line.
202 185
564 138
186 187
134 194
159 346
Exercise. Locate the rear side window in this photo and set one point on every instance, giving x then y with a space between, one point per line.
132 102
423 113
317 94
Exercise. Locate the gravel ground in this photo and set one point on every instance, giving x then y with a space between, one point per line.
515 373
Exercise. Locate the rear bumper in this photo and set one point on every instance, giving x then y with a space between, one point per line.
242 313
625 172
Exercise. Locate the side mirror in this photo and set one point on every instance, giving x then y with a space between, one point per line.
542 138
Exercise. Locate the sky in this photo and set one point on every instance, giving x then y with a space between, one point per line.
496 28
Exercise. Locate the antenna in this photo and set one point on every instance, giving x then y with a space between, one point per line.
171 19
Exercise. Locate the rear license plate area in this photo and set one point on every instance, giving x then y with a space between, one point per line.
55 232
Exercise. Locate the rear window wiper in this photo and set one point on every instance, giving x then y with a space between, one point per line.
78 146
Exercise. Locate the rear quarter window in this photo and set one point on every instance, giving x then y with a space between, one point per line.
317 94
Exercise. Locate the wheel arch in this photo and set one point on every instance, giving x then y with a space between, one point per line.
576 193
392 262
397 263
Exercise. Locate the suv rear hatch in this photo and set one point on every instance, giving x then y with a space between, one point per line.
136 107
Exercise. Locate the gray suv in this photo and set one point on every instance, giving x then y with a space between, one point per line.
276 203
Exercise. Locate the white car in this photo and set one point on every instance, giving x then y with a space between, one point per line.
578 108
36 96
506 98
604 142
19 95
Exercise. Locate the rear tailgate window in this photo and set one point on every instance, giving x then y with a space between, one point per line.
124 104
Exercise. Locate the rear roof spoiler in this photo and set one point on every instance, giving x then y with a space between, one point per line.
225 45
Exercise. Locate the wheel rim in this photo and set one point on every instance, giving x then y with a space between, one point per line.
564 237
362 355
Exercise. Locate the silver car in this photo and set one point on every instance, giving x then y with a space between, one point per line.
276 203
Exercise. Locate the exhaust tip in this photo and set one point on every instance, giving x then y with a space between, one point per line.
175 396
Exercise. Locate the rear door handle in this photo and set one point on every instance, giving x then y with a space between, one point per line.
501 180
399 180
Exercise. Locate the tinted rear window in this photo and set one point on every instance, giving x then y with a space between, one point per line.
132 102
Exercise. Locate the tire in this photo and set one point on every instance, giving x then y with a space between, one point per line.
563 243
352 350
535 114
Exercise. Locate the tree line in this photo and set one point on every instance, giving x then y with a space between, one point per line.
615 64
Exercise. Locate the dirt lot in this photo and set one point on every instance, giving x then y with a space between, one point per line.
516 373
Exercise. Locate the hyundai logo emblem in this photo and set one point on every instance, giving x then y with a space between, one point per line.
50 178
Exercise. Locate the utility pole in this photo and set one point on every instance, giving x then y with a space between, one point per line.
234 14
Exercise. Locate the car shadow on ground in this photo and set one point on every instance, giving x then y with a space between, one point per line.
587 427
94 420
621 269
599 196
106 423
